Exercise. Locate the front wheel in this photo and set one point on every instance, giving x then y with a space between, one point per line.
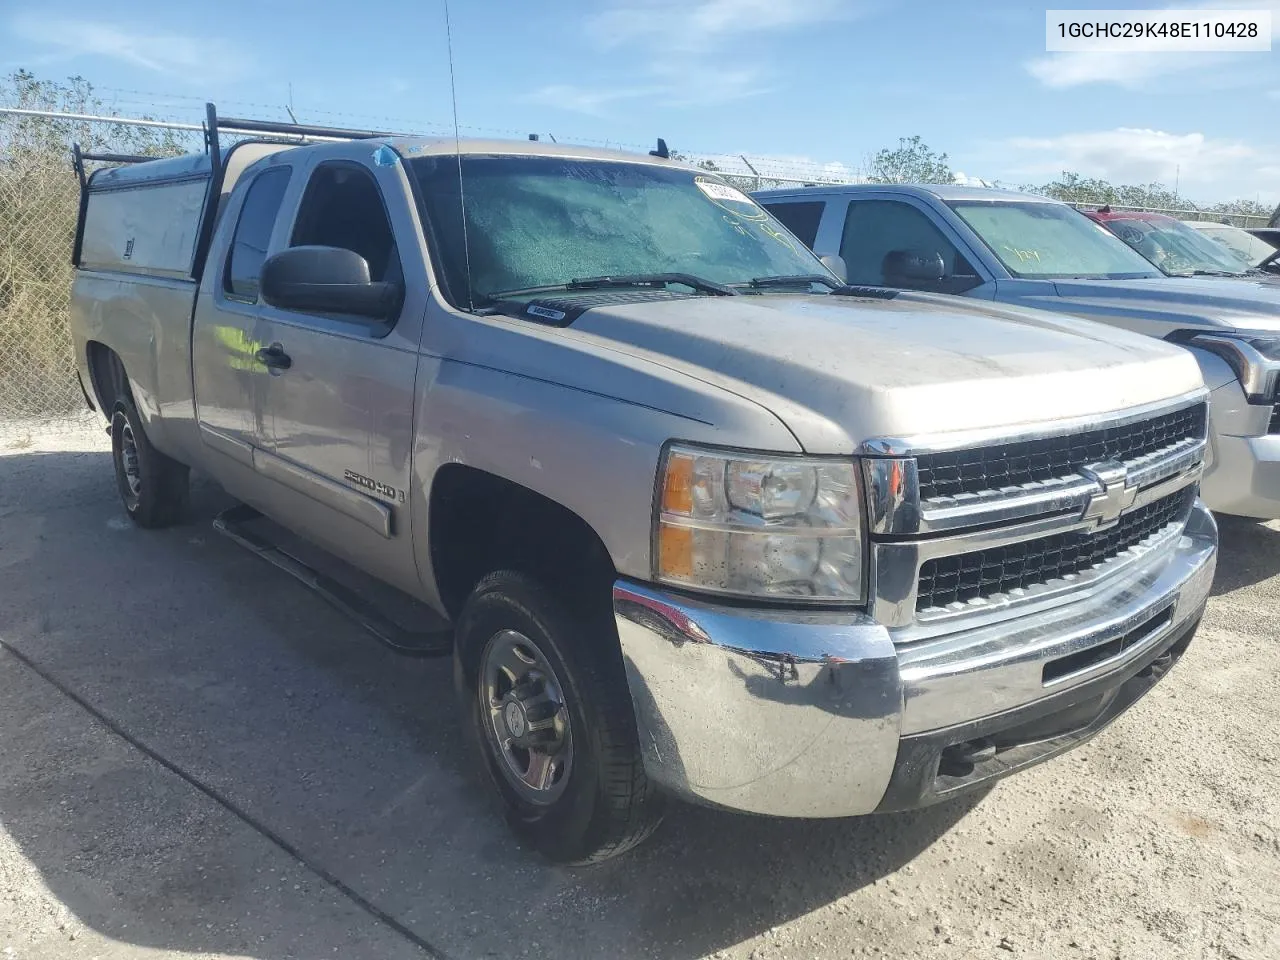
544 693
153 487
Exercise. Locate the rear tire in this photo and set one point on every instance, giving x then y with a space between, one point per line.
153 487
544 694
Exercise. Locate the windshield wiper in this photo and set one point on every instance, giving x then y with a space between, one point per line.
1212 273
761 283
632 280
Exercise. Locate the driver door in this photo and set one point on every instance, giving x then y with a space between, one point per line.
339 396
873 229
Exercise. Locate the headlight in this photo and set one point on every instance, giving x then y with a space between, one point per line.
773 527
1254 358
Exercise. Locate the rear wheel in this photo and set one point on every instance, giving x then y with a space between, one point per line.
544 694
152 487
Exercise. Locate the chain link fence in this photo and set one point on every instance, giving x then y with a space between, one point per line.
39 197
39 201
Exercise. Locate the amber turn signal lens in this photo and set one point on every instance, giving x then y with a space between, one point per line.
675 552
677 486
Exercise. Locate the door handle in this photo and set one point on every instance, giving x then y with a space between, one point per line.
274 357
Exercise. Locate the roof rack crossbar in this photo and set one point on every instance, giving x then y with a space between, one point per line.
77 163
116 157
300 129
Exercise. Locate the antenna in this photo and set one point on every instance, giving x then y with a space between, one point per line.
457 147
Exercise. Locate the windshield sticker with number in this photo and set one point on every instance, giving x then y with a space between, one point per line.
743 208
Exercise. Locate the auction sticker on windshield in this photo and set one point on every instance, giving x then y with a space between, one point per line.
1157 31
722 191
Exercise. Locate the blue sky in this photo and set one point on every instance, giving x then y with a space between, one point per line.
811 82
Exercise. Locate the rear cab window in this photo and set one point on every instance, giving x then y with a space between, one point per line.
801 217
253 234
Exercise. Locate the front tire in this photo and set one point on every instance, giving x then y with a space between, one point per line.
544 693
153 487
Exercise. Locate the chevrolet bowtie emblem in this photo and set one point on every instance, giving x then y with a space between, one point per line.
1113 497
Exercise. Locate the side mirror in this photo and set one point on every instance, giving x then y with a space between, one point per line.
327 280
837 266
913 267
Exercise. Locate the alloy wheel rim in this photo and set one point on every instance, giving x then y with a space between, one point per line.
129 460
526 719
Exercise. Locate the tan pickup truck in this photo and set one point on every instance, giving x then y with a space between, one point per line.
705 522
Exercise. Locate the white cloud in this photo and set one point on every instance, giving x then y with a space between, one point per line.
1206 169
173 54
1134 69
687 49
1061 70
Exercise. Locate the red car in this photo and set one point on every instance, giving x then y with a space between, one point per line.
1173 246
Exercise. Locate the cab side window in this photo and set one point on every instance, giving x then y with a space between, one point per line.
253 233
873 229
343 208
800 217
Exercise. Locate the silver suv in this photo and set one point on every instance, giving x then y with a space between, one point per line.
1028 251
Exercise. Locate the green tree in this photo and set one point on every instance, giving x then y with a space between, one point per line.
1074 188
913 161
1242 208
43 135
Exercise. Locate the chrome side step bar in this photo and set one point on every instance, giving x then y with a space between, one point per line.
232 523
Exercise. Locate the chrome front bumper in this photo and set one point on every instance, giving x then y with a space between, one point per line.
820 714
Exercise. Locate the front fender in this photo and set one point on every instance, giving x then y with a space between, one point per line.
594 454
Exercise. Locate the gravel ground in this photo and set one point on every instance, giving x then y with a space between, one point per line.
299 791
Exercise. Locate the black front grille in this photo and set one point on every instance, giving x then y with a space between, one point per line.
984 573
1026 461
1274 425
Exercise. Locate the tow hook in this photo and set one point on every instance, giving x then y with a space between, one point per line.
959 759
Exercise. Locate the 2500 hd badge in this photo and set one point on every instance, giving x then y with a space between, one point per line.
381 489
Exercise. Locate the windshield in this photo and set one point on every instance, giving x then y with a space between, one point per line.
540 221
1243 244
1175 248
1051 241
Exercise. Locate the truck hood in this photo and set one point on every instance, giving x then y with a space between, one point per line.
1161 305
840 370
